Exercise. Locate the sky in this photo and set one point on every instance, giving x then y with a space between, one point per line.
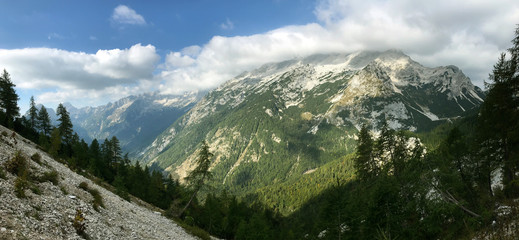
93 52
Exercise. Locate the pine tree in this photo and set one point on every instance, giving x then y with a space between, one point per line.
364 162
499 117
55 143
33 114
43 122
8 99
200 174
65 124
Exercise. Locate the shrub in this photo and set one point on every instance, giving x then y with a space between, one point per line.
79 223
36 158
2 174
63 190
84 186
4 133
20 184
17 165
35 189
51 176
98 199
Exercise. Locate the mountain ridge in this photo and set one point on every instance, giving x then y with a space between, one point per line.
283 119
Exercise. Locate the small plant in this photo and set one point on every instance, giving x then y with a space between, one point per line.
37 208
63 190
84 186
4 133
35 189
17 165
79 223
98 199
36 157
20 184
51 176
2 174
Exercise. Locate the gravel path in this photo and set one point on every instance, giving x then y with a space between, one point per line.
49 214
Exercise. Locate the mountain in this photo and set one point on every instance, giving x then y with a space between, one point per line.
134 120
53 196
286 119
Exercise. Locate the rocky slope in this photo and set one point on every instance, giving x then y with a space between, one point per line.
284 119
48 211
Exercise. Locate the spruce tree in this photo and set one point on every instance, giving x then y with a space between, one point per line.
65 124
8 99
364 162
499 118
33 114
43 122
197 177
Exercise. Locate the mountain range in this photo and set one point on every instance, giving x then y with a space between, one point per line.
134 120
283 120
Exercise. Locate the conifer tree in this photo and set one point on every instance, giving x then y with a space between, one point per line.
55 143
33 114
8 99
200 174
364 162
499 117
43 118
65 124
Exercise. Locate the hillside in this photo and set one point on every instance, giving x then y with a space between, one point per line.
48 210
285 119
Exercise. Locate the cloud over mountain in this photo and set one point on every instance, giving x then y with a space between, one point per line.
442 33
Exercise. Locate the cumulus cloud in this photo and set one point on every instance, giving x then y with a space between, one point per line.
79 75
469 34
124 15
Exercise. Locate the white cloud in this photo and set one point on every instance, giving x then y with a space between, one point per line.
469 34
227 25
78 75
124 15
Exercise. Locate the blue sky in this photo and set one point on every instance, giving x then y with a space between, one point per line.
168 25
92 52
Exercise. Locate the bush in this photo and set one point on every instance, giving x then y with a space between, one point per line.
84 186
17 165
2 174
51 176
36 158
35 189
98 199
20 184
79 223
4 133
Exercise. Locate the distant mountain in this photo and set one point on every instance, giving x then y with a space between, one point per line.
283 119
134 120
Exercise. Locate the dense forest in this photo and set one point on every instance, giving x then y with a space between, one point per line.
450 183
